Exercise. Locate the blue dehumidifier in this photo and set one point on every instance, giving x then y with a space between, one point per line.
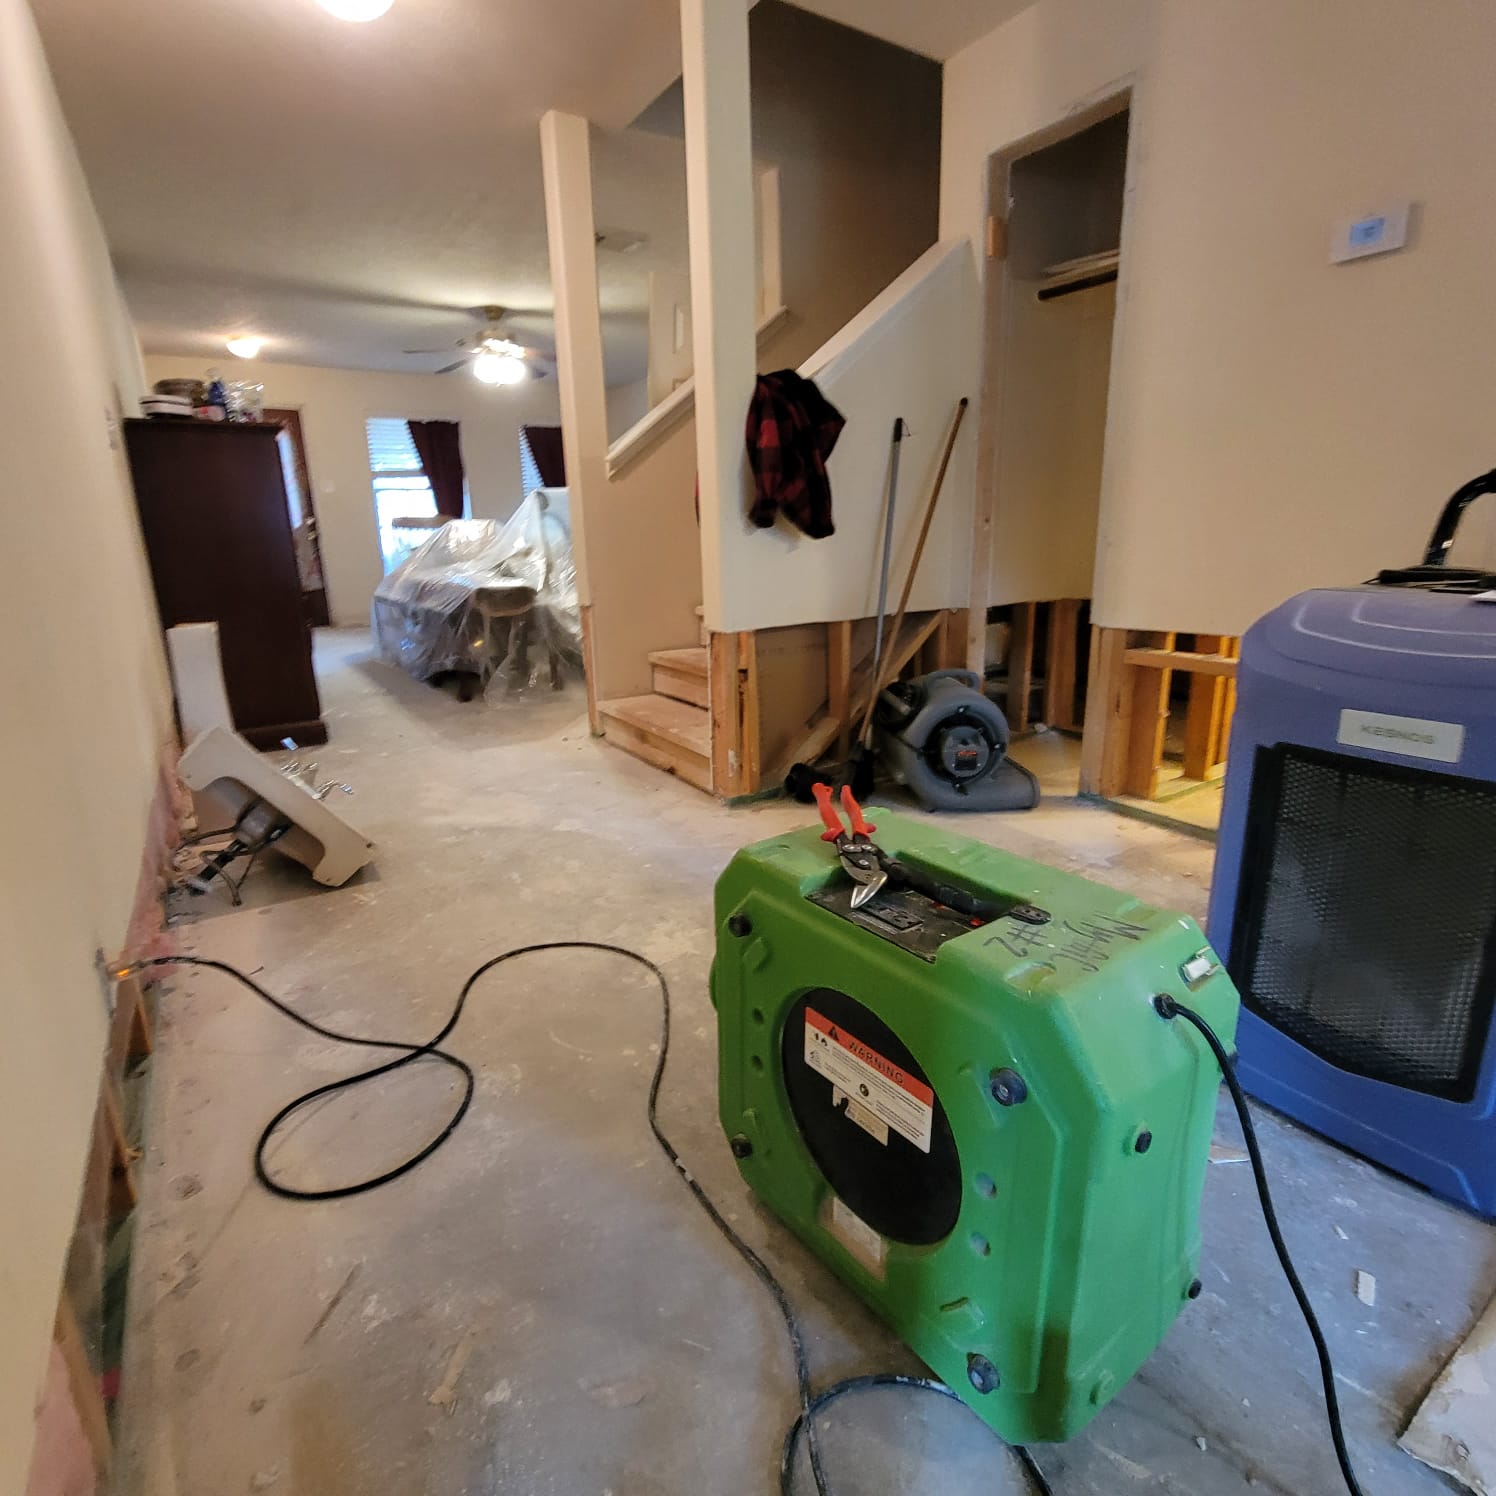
1355 879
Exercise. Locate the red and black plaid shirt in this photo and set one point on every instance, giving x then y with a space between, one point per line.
792 428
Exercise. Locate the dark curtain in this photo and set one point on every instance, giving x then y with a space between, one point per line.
440 451
545 447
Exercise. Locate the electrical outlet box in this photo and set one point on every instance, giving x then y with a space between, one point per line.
1376 233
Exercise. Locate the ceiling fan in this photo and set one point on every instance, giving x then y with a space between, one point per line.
491 356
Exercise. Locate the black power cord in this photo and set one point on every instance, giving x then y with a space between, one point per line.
889 1379
810 1404
409 1053
1167 1007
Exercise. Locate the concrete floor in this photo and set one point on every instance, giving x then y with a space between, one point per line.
547 1268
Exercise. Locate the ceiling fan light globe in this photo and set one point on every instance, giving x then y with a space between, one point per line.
498 368
356 10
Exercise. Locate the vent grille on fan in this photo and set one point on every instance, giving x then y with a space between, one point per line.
1365 928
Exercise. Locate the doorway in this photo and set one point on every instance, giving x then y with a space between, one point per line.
1055 254
303 510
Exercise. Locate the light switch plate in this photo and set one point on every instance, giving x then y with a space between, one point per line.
1376 233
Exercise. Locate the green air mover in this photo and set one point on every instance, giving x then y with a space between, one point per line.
978 1120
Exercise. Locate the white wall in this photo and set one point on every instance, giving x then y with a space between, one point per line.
905 355
86 711
1275 422
1050 451
628 404
335 406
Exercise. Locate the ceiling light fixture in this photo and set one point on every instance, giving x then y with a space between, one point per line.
356 10
245 347
500 362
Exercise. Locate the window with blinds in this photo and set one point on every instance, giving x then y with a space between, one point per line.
401 491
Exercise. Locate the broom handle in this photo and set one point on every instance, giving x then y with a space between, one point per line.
881 669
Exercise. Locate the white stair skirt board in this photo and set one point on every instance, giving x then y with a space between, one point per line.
197 673
223 767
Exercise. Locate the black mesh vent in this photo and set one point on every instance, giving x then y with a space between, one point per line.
1365 919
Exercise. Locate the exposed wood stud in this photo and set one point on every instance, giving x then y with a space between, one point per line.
1060 664
749 730
1021 666
83 1382
1228 707
726 719
821 733
122 1191
1109 705
1203 746
141 1042
953 640
997 237
1150 716
1192 662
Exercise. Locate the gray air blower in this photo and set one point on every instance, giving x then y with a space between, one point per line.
944 740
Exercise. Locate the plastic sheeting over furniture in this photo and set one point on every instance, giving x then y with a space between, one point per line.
487 599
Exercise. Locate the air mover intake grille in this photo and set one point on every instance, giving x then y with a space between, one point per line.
1365 927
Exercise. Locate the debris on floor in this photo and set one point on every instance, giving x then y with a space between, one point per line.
1225 1153
1455 1429
1366 1289
445 1396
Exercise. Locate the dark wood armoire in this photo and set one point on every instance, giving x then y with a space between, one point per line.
217 530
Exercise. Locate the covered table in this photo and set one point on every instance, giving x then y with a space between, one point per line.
485 599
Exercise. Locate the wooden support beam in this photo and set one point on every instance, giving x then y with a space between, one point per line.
749 731
84 1384
1228 710
1203 744
839 682
1060 664
1150 715
123 1194
141 1041
732 685
821 733
1152 657
129 1028
1021 667
953 640
722 682
1103 749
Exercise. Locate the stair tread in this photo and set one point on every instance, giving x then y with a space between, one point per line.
688 726
687 661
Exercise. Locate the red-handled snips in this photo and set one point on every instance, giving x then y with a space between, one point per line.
860 859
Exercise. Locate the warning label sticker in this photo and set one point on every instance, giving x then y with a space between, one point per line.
878 1086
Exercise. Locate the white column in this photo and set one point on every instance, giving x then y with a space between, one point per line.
720 192
566 158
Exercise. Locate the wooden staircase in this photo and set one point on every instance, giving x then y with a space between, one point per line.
671 727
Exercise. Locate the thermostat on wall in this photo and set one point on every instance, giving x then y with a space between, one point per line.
1375 233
